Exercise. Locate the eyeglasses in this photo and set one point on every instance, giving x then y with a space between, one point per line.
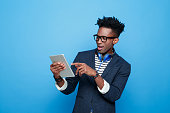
103 38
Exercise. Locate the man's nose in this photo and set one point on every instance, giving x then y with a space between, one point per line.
99 41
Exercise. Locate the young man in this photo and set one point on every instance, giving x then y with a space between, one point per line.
102 74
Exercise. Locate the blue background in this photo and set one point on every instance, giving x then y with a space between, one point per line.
32 30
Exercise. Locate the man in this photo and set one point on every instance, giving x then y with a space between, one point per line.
102 74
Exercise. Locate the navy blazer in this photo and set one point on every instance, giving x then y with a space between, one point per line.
88 96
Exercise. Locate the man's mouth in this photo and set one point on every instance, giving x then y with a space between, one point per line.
100 47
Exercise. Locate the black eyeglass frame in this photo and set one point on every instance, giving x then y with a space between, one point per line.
101 37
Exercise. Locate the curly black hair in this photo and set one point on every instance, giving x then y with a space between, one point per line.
111 22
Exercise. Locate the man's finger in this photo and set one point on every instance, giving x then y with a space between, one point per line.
77 64
58 66
81 71
57 63
78 68
77 71
59 70
51 65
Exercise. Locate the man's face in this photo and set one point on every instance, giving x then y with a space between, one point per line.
106 47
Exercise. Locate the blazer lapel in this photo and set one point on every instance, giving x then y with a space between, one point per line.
111 65
92 64
92 59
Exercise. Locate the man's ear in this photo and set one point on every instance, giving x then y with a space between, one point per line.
115 40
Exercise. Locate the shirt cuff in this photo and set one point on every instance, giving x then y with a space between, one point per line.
105 88
63 87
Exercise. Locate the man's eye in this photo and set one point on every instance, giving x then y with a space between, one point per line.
104 38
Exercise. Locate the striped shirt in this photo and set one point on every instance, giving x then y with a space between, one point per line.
100 66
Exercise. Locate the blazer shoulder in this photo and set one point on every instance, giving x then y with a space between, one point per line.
125 67
86 52
122 61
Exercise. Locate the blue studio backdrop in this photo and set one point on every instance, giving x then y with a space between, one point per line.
32 30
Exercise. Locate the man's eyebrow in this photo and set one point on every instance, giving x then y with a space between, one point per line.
102 36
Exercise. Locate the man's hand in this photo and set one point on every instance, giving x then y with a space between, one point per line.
56 68
83 68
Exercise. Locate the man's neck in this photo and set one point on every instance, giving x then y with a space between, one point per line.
110 51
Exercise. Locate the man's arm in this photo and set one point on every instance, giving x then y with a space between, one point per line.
61 86
118 85
69 84
113 90
83 68
56 68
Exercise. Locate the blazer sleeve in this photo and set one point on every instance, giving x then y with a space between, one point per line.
118 84
72 81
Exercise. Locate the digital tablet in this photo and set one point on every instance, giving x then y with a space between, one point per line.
66 72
